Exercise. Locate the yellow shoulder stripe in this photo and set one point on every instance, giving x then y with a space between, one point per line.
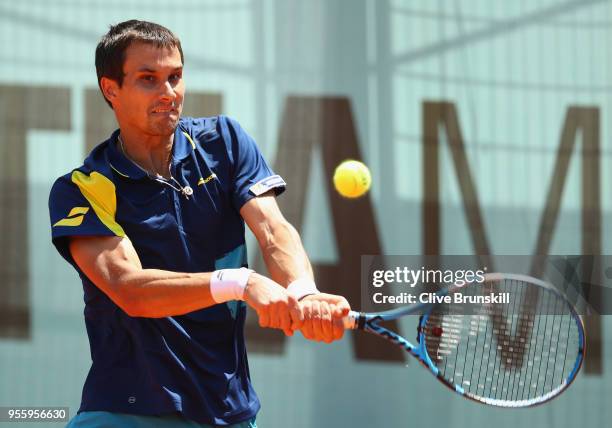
100 193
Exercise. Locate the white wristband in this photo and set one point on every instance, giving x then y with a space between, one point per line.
229 284
302 287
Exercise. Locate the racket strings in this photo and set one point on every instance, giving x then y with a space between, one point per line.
512 352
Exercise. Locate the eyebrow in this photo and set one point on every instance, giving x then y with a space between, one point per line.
147 69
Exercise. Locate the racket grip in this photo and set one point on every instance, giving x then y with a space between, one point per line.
350 321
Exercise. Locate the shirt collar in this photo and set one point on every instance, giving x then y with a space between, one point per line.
183 146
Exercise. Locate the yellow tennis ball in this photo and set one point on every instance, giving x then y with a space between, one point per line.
352 179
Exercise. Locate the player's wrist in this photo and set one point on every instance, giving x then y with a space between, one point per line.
229 284
302 287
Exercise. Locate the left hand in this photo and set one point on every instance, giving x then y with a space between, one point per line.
323 315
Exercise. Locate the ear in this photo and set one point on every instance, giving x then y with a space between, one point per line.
110 88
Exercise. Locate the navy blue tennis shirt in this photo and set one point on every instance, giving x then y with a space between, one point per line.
196 363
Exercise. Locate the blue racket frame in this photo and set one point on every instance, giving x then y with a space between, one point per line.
370 322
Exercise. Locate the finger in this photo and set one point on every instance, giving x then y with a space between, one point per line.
343 311
274 321
342 308
264 318
317 328
297 318
326 322
337 328
292 302
296 313
306 329
283 315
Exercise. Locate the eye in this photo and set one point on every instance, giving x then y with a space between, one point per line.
175 77
147 78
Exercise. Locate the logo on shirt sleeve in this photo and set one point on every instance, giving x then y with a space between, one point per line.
75 217
266 184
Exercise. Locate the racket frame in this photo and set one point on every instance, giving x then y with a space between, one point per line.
370 322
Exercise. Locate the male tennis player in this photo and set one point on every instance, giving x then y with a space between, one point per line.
153 222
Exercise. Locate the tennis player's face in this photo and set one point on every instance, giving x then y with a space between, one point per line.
151 96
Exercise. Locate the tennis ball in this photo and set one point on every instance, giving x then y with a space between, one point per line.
352 179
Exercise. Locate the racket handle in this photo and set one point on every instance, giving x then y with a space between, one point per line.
350 321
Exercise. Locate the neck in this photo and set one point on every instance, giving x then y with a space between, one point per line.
150 153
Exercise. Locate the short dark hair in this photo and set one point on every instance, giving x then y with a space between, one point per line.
110 52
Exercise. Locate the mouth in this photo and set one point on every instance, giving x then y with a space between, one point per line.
164 110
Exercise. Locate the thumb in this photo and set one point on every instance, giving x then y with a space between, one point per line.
297 314
341 310
292 302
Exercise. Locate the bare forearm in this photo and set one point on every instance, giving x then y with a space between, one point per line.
280 243
284 254
156 293
320 314
112 264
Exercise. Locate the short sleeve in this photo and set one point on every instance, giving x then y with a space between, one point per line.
252 175
72 214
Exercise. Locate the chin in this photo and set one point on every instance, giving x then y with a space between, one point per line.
166 128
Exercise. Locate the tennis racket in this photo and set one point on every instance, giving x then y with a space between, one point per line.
519 354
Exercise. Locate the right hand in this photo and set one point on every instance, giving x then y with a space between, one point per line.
323 314
274 306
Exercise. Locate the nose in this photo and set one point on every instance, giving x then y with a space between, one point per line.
167 92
